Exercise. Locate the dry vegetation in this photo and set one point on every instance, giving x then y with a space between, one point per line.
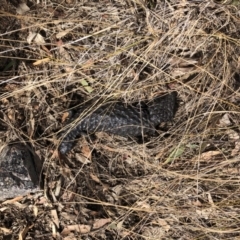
183 184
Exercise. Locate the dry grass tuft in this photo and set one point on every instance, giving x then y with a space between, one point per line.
183 184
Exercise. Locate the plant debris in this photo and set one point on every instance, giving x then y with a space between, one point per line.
181 184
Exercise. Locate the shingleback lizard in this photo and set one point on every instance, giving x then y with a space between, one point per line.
133 120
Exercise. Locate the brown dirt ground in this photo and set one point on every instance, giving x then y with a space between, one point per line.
182 184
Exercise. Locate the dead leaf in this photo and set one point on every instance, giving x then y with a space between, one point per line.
55 217
120 225
55 155
143 205
225 121
19 205
209 155
54 230
65 116
22 8
86 151
160 154
101 222
177 72
196 203
61 34
23 233
210 200
36 38
163 223
81 228
5 230
16 199
3 209
35 210
82 158
58 188
11 115
41 61
30 126
95 178
108 148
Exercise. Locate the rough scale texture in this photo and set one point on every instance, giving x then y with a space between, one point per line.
125 120
18 175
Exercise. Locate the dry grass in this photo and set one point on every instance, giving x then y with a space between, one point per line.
183 184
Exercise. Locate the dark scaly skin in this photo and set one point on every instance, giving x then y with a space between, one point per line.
125 120
18 175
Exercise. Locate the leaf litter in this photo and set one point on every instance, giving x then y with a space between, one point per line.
183 183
